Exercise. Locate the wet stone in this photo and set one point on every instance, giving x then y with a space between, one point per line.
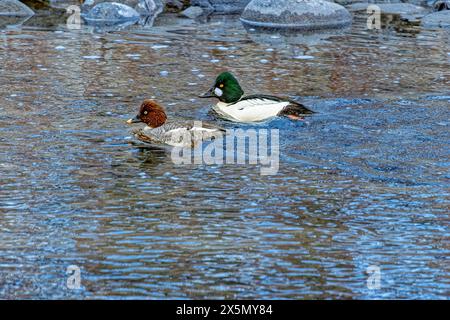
14 8
111 12
193 12
143 7
295 14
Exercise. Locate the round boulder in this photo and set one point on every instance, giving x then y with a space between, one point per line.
143 7
14 8
111 13
295 14
192 12
13 13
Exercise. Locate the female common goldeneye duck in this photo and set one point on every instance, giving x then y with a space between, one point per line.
259 107
178 133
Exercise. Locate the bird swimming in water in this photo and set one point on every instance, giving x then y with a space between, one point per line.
173 132
234 106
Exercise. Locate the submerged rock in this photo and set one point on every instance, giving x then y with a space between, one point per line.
143 7
295 14
14 8
439 19
111 12
193 12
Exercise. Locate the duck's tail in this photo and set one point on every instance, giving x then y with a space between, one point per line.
295 111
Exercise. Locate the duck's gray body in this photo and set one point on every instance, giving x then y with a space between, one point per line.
179 133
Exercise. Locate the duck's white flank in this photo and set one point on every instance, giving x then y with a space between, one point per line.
250 110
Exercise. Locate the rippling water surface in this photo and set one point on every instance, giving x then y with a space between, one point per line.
362 182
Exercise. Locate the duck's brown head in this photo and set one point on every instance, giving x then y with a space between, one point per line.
150 113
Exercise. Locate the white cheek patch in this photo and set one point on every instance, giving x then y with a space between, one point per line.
218 92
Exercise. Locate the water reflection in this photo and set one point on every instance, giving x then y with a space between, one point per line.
11 22
279 38
362 182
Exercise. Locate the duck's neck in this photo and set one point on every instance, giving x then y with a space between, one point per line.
222 104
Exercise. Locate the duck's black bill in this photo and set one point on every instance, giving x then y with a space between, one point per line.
208 94
134 120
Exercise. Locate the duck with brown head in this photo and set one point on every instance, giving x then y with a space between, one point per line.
173 132
150 113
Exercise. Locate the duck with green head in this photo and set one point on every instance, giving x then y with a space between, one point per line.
234 106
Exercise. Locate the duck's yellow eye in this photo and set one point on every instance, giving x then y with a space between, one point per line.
221 85
145 112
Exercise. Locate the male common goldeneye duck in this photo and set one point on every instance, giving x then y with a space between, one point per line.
259 107
178 133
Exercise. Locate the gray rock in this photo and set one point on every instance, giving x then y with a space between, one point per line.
439 19
110 13
193 12
143 7
390 8
221 6
14 8
295 14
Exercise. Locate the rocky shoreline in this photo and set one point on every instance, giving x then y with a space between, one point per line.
296 14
